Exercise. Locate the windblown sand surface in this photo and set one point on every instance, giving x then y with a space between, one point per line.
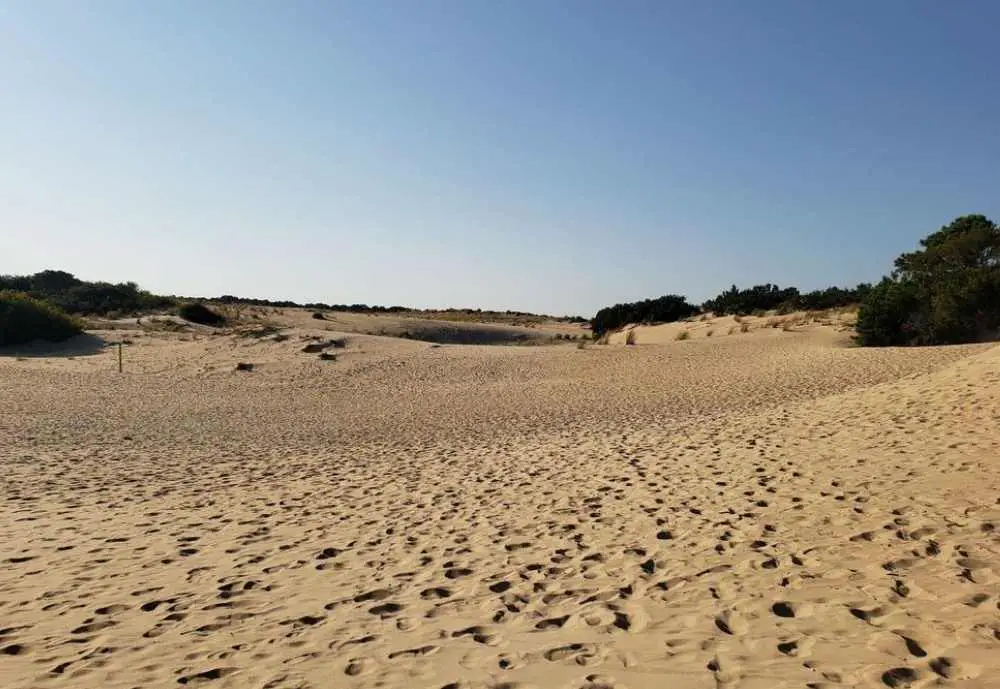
759 511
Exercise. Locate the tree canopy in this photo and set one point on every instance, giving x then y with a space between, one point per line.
948 291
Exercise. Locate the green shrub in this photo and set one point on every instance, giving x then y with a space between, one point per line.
944 293
76 296
665 309
888 316
25 319
197 312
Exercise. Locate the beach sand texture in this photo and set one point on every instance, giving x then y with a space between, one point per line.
754 511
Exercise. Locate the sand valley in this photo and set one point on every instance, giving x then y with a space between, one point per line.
760 510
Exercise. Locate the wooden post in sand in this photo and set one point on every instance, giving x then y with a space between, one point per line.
119 356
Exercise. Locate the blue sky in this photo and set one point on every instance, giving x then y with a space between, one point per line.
530 154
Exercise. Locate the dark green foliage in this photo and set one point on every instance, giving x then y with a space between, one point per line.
286 304
25 319
101 298
745 301
666 309
831 298
887 315
197 312
946 292
762 298
80 297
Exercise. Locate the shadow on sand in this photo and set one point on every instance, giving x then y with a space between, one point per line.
81 345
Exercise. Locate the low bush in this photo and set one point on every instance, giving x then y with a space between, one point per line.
197 312
26 319
665 309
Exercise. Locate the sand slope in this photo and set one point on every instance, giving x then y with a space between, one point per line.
769 511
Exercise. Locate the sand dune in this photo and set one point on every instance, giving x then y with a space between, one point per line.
762 510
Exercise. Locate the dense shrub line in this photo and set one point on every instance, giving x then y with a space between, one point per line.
26 319
784 300
316 305
67 292
948 291
670 307
77 296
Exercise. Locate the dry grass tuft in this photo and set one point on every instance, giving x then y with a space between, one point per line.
683 335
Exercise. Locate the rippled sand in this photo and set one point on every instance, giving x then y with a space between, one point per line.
765 510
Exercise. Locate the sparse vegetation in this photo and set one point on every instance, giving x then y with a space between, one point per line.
682 335
709 333
24 318
630 338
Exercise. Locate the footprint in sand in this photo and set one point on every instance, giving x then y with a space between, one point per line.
731 622
579 653
206 676
900 677
359 666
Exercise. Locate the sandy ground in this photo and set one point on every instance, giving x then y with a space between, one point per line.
757 511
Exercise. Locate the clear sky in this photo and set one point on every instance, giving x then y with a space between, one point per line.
543 155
